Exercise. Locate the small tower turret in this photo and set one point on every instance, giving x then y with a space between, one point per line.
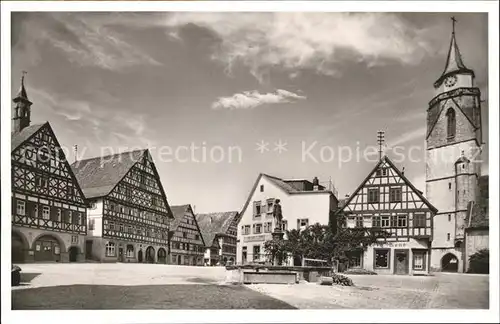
21 116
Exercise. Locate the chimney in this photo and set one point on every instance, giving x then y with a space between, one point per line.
315 184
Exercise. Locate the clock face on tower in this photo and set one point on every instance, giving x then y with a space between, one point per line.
450 81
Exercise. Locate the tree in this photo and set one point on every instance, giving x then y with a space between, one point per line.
276 250
479 262
326 242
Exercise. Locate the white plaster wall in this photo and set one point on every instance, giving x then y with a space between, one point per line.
315 207
96 215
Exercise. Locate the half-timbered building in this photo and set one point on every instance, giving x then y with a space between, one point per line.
48 206
129 214
186 245
387 200
219 232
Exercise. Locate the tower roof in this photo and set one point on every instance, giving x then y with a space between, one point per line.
454 62
21 94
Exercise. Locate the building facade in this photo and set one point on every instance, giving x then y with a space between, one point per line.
48 207
186 243
453 164
303 203
219 234
387 200
129 216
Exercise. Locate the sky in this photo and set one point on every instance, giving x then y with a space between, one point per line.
220 97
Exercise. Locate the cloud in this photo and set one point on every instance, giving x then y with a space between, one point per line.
252 99
99 121
86 40
318 41
415 134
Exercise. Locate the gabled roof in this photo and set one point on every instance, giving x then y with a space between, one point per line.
178 212
213 224
401 175
454 62
478 211
18 138
285 185
98 176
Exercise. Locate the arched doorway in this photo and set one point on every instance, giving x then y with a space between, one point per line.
47 248
449 263
73 253
150 255
18 248
162 255
139 256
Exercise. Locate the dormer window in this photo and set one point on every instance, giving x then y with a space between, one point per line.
451 123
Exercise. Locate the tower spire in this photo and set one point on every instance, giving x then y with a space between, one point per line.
454 62
22 109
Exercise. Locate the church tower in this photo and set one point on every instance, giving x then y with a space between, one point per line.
453 148
21 116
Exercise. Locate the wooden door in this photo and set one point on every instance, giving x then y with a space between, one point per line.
401 262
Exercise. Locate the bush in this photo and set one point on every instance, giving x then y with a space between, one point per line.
342 280
479 262
359 272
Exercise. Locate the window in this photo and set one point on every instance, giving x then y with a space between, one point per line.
121 227
381 172
448 236
184 235
268 227
130 251
112 226
91 224
394 221
284 225
395 194
129 229
449 185
246 229
256 208
59 214
74 239
373 195
257 228
46 212
359 221
21 207
256 252
355 260
376 221
302 223
261 188
402 220
79 218
110 249
418 260
381 258
35 211
197 237
385 221
451 123
70 217
419 220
